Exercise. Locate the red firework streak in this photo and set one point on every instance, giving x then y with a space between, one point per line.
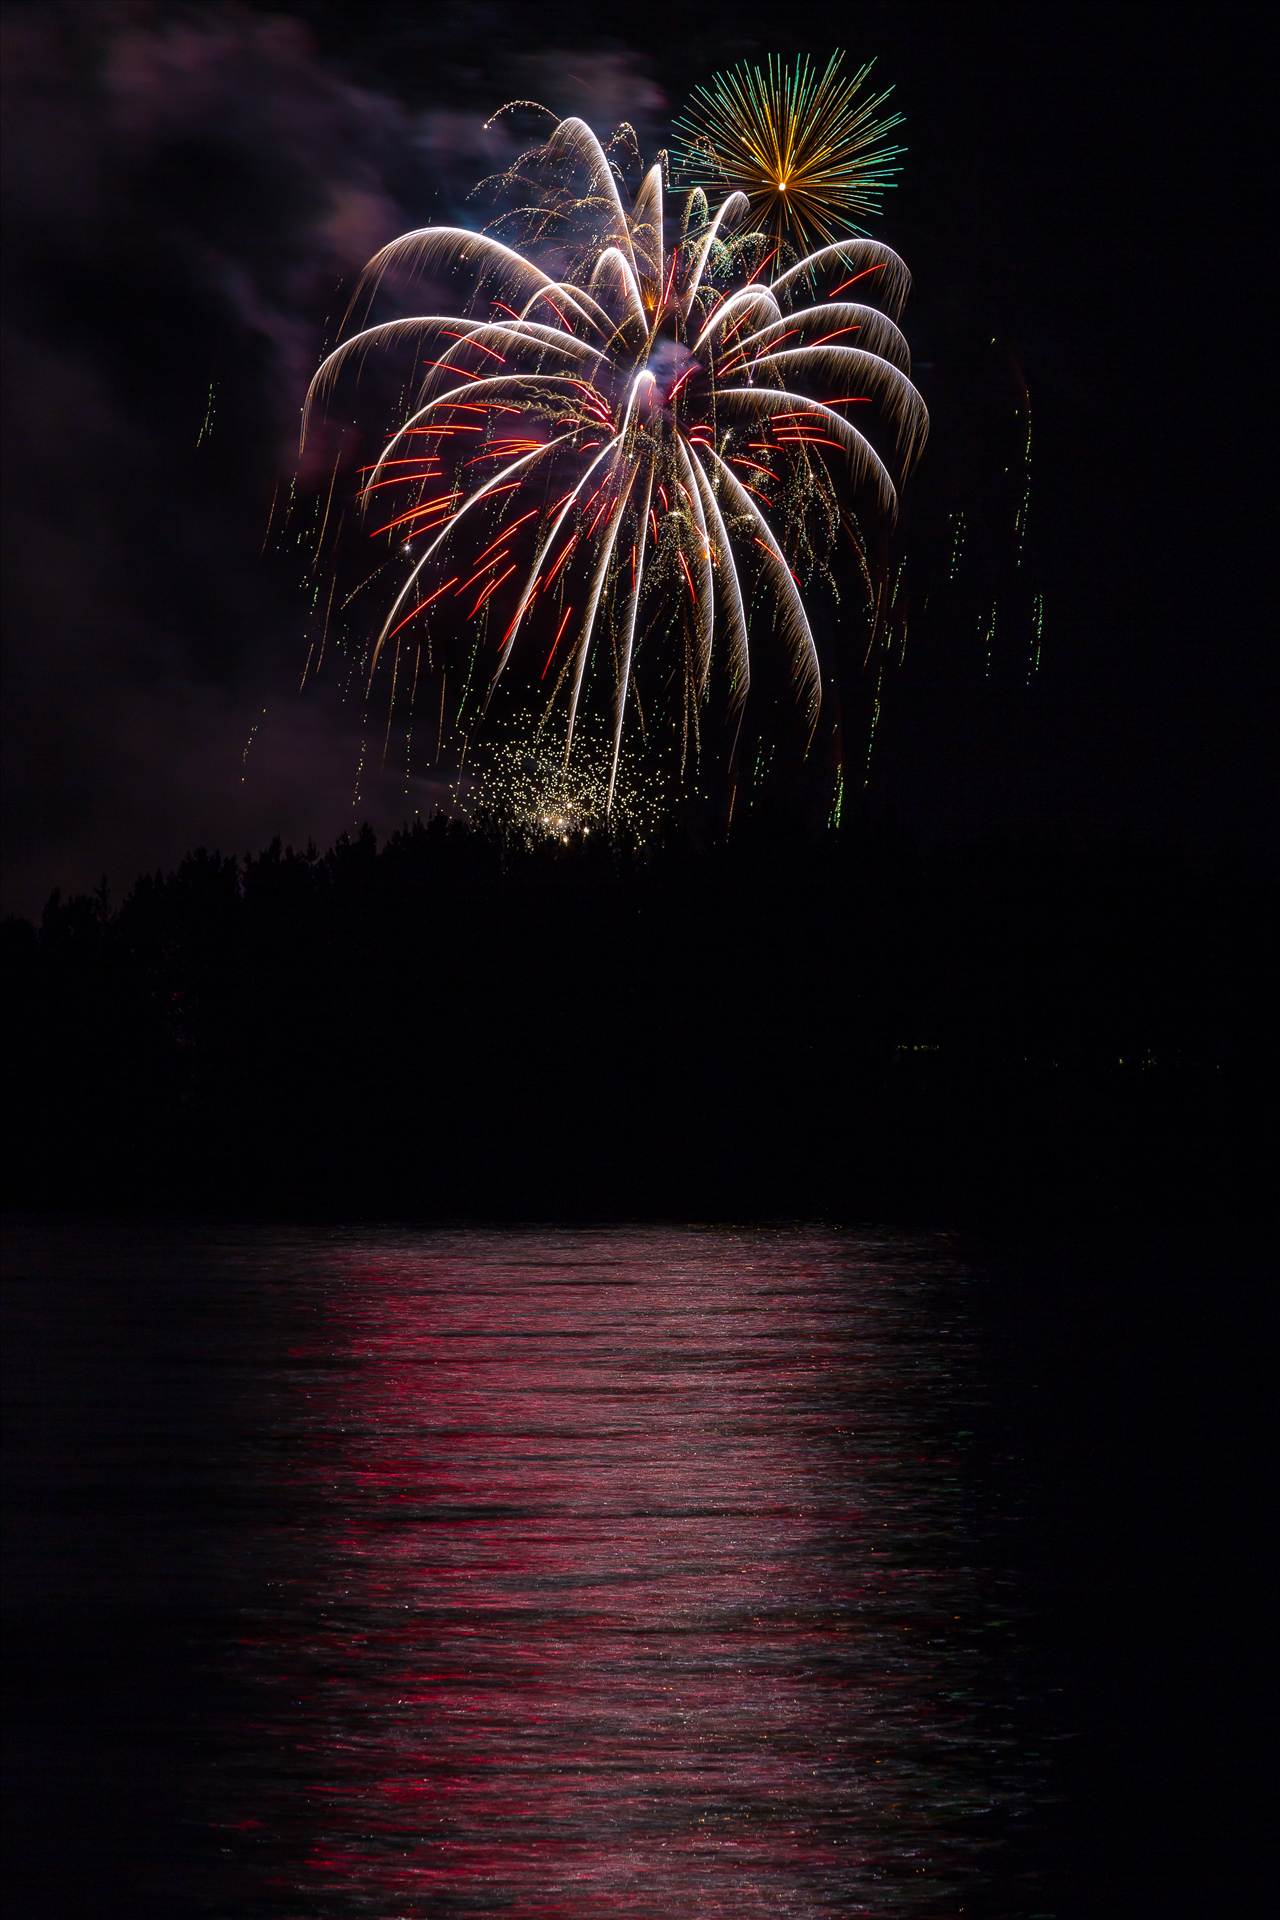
556 642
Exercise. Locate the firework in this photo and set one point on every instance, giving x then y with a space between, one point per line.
807 149
628 458
523 793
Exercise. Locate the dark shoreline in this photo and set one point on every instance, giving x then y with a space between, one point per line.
796 1024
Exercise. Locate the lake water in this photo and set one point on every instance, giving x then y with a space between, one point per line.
658 1571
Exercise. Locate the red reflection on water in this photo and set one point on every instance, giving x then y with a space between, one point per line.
623 1582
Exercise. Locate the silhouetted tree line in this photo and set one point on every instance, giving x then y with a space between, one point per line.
446 1025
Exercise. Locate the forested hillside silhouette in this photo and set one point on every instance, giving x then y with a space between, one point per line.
450 1025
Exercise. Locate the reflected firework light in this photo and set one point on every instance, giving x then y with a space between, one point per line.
594 1599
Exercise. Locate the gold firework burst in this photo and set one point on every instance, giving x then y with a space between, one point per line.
807 147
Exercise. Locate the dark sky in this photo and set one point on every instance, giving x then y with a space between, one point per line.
187 188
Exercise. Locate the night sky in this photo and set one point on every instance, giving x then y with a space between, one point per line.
188 191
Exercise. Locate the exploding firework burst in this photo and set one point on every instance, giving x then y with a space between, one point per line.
806 147
523 792
624 447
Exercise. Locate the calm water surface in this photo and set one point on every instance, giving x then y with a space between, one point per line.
545 1574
